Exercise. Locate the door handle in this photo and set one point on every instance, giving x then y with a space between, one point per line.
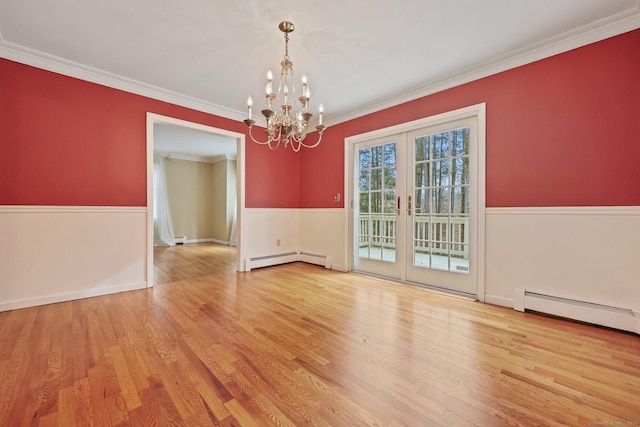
398 206
409 205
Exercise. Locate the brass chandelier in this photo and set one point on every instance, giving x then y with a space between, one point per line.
288 125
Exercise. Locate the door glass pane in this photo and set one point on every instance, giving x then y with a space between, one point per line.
460 171
421 201
460 200
364 158
390 203
364 203
441 201
364 182
376 179
376 156
422 175
440 145
390 155
378 202
440 173
421 148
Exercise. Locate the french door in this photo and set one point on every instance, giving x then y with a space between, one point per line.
379 226
415 205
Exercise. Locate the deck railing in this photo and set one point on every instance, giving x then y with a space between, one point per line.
435 235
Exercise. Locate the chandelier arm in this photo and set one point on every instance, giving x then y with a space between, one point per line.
299 136
320 133
267 142
277 143
293 145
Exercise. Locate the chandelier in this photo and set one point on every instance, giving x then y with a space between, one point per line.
290 123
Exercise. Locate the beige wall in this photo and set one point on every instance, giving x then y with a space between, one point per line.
201 197
224 178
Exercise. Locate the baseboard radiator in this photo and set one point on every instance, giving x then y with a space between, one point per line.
269 260
597 314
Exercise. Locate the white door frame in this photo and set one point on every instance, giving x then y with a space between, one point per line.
152 119
477 110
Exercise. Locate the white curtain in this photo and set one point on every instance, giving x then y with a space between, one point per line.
162 226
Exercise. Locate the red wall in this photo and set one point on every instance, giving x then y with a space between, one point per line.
563 131
273 176
68 142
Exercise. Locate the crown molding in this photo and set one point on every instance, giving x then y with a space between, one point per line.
196 158
602 29
596 31
62 66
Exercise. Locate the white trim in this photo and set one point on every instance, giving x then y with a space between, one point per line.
207 240
497 300
613 317
195 158
69 209
52 299
448 116
153 118
567 210
610 26
482 203
518 300
65 67
602 29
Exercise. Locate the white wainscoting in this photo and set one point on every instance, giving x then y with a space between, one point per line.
589 254
55 253
309 233
322 232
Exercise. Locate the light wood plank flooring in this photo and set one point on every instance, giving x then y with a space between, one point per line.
297 345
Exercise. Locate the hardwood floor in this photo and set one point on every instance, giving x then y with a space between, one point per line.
301 345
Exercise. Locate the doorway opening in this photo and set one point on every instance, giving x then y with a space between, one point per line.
197 142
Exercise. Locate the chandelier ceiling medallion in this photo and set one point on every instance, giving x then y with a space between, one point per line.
289 124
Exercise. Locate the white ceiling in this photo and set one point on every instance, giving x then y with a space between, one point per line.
359 55
192 144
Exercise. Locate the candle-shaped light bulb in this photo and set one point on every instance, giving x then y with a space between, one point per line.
269 89
320 110
307 94
249 104
304 85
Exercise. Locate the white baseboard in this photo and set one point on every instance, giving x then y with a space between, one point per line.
52 299
613 317
284 258
311 258
496 300
339 267
207 240
269 260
